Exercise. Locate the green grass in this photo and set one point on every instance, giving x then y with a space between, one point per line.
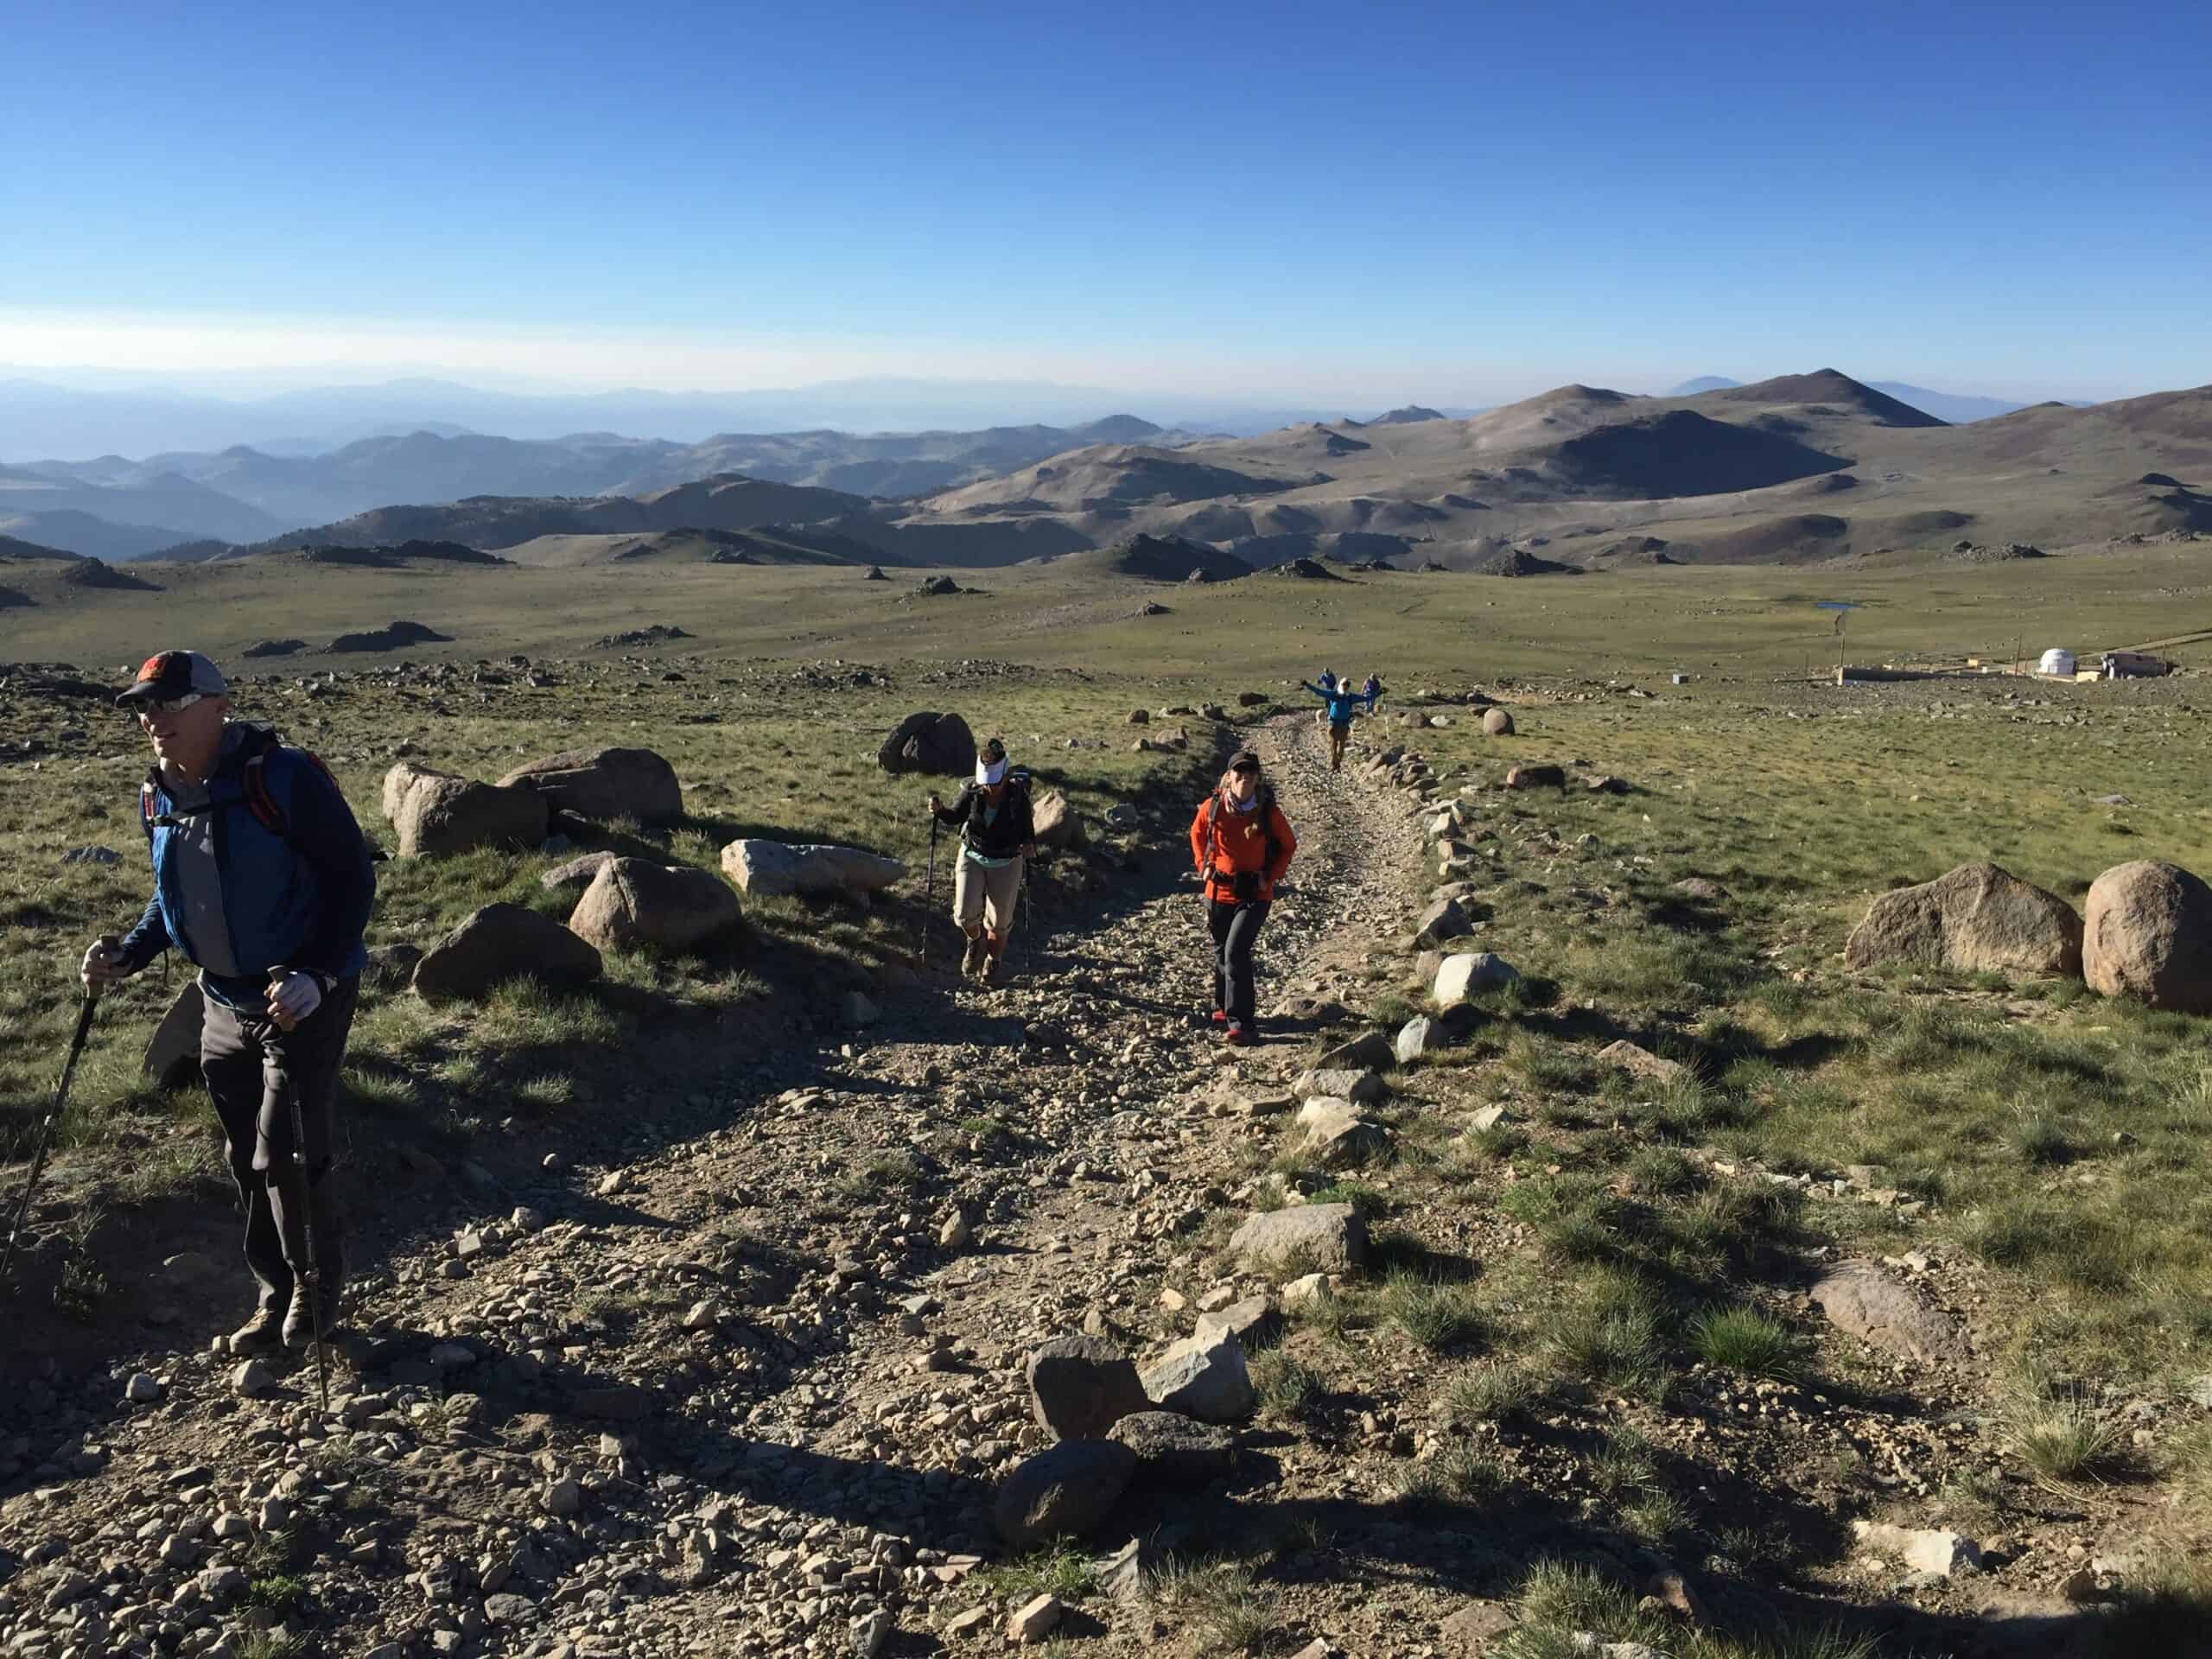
1490 1393
1061 1568
1744 1340
1285 1386
1220 1607
1435 1314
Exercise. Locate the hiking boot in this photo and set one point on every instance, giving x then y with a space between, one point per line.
971 960
262 1334
298 1333
989 975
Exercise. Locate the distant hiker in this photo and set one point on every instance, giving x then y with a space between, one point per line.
261 880
1241 844
1371 690
1339 703
1327 684
998 836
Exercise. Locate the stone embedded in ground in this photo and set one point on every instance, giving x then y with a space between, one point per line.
1417 1037
1976 918
859 1009
1205 1377
1056 824
1484 1118
1859 1298
1443 920
1248 1322
2149 935
1361 1088
1937 1551
390 967
440 813
636 904
172 1056
867 1634
1177 1450
1642 1062
956 1234
1337 1136
1080 1387
1496 723
1701 887
1543 777
775 870
1066 1490
1467 972
1369 1052
503 942
1306 1287
1331 1237
604 784
1476 1626
938 744
253 1379
144 1388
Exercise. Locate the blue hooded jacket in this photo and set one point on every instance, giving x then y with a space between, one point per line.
1344 703
296 892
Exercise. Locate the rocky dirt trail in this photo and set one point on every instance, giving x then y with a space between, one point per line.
749 1385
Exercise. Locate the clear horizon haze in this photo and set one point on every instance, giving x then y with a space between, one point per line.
1358 204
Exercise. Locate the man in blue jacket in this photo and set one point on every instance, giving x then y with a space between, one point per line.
261 879
1340 703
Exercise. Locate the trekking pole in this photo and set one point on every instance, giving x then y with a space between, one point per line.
313 1274
46 1129
929 894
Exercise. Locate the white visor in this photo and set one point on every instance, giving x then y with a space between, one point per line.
990 772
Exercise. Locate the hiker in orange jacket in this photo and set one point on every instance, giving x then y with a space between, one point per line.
1241 844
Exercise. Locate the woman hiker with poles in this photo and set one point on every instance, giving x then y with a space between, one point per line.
998 835
1241 844
261 879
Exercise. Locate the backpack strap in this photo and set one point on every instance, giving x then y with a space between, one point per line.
148 793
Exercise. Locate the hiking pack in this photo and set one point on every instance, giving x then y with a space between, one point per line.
1264 804
261 741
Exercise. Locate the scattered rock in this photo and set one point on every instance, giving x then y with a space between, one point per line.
1546 776
1474 1627
1361 1088
1369 1052
635 903
2149 935
1066 1490
1975 919
1496 723
1942 1553
604 785
1442 922
1034 1620
143 1390
1337 1136
1056 824
253 1379
1857 1297
91 856
438 814
577 873
1249 1323
1330 1237
504 942
1175 1450
775 868
1203 1377
1080 1387
1464 974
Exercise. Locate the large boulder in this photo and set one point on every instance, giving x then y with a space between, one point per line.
940 745
172 1056
1327 1237
1080 1387
1204 1377
633 903
2149 935
1468 972
504 942
774 869
438 814
1496 723
1977 918
604 784
1065 1490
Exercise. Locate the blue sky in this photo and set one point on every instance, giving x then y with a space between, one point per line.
1459 203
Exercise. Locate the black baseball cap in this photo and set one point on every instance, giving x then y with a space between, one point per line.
1243 758
175 674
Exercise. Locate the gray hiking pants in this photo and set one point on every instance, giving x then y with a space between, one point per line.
250 1066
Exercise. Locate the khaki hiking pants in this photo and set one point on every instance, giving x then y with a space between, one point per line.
1340 734
982 895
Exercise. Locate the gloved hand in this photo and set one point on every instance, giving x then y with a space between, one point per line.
103 962
293 998
935 805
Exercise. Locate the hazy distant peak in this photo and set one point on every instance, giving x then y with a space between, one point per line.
1703 383
1407 416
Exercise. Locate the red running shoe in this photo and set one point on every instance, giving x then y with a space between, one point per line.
1221 1016
1237 1034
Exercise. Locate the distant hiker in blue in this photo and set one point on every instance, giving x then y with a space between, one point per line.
1340 703
261 879
1371 690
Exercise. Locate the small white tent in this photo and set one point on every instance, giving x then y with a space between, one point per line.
2057 661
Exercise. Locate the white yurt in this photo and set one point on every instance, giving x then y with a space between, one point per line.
2057 661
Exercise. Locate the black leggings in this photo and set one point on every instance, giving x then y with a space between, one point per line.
1235 927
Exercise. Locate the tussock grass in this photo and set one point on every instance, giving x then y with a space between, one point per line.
1611 1331
1493 1393
1060 1568
1435 1313
1744 1340
1287 1387
1221 1607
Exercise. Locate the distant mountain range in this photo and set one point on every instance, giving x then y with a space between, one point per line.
1944 405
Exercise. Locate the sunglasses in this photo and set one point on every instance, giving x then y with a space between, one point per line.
171 705
1246 771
